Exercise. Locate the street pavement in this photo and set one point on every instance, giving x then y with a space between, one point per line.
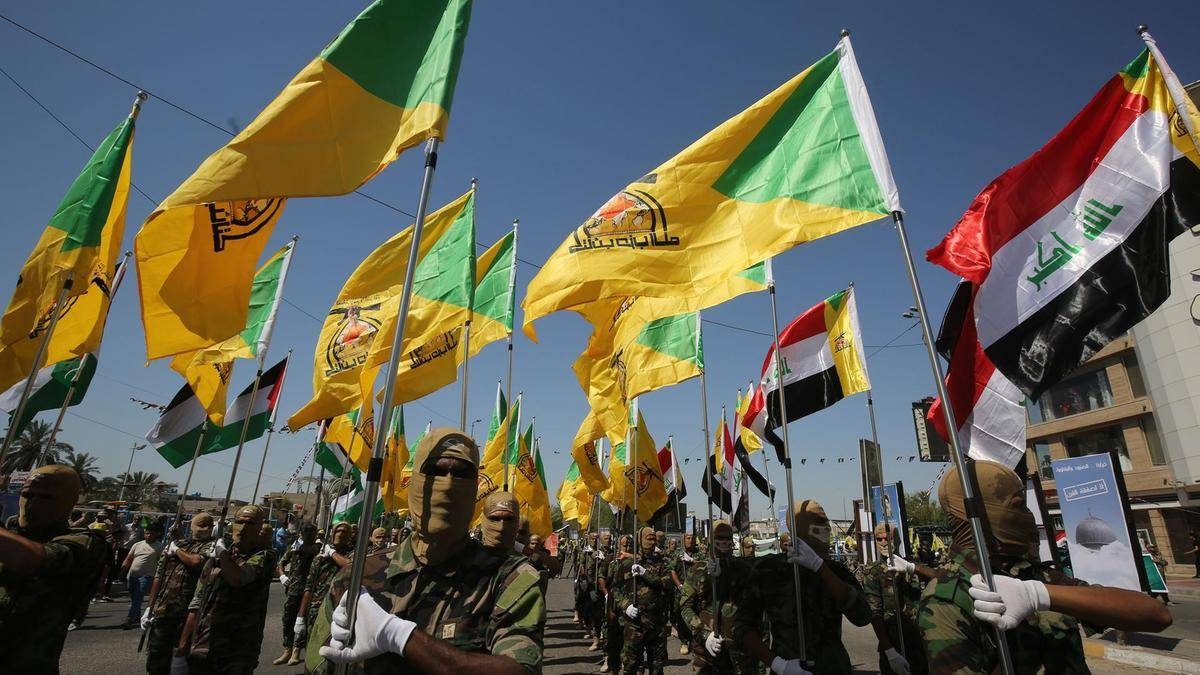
100 647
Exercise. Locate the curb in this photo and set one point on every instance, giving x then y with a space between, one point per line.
1144 658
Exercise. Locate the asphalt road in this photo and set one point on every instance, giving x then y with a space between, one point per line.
100 647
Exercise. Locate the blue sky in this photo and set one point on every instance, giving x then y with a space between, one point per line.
558 106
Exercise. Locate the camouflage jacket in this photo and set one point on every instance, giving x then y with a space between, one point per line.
228 610
178 581
479 602
877 583
316 583
696 601
772 598
653 587
35 610
957 642
295 563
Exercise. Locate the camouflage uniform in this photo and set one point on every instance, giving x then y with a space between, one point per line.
295 563
229 620
612 637
175 590
696 603
481 602
880 587
957 642
772 598
316 584
35 610
643 636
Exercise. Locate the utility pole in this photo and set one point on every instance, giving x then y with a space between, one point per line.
133 449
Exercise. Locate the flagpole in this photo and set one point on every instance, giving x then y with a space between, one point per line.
270 433
512 283
891 540
631 439
709 475
462 416
766 468
1174 87
375 469
187 484
38 357
787 459
974 507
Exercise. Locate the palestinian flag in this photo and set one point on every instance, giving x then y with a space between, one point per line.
349 506
179 428
823 362
989 414
255 408
1069 249
50 389
329 456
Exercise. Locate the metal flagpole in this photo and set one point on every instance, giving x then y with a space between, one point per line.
708 448
38 357
375 468
974 507
311 470
512 284
891 540
270 433
787 457
462 416
187 485
867 542
631 435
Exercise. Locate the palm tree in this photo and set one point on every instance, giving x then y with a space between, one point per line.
139 485
86 466
30 448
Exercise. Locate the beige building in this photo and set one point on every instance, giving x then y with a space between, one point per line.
1104 406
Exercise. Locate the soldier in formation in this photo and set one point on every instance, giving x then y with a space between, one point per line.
642 586
47 571
378 540
292 569
613 637
690 556
224 627
712 649
584 589
829 592
597 571
440 602
336 557
1039 611
893 594
500 518
171 592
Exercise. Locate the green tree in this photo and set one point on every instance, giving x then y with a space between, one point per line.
922 509
556 517
32 448
86 466
140 486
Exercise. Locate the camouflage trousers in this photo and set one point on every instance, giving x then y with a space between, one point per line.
914 648
730 660
645 646
160 643
611 641
291 608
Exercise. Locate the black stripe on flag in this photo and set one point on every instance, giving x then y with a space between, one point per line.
764 486
714 488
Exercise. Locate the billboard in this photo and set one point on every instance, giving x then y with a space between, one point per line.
887 507
930 446
1090 496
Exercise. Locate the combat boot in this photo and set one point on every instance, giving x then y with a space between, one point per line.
283 658
297 657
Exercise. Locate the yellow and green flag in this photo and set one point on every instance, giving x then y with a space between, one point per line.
574 498
494 304
806 161
383 85
499 451
395 494
82 240
586 454
528 485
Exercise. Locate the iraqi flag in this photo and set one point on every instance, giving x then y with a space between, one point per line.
988 410
718 475
745 441
823 362
1069 249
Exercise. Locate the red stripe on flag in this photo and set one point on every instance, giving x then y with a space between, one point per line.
808 324
1026 192
967 377
664 459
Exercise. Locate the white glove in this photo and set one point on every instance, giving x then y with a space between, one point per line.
687 558
898 663
179 665
803 555
599 555
587 549
792 667
218 549
146 619
637 570
283 579
296 545
1013 600
714 568
712 644
631 612
172 548
375 632
299 628
327 551
898 564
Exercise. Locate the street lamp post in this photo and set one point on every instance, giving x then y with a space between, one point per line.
135 448
473 423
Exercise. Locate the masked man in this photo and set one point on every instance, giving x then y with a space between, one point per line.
333 560
893 596
174 584
224 628
1039 611
613 638
690 557
292 569
597 565
501 516
47 572
642 584
440 602
829 592
712 651
547 565
378 540
583 587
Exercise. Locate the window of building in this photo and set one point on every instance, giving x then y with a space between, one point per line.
1133 369
1098 441
1074 395
1041 452
1153 444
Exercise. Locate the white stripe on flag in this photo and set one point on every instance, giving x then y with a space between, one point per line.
10 399
802 359
995 429
177 422
868 128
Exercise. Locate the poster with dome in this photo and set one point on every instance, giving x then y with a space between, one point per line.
1094 517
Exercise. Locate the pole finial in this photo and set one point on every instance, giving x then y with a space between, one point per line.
845 32
474 182
1142 29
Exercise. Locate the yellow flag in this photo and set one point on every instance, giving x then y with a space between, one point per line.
499 451
395 495
529 486
383 85
586 455
82 240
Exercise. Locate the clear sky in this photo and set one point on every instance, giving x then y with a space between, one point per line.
559 105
